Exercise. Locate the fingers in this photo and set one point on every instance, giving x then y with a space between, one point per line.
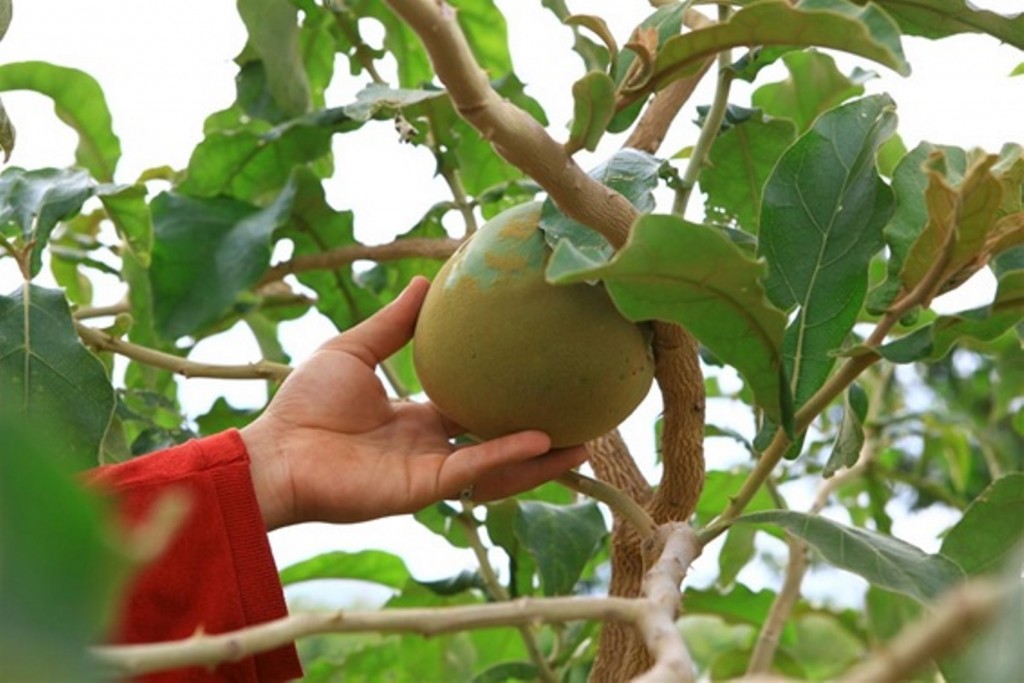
388 330
508 465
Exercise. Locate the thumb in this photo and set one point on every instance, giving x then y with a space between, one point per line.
387 330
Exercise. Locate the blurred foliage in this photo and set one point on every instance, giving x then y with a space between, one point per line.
817 218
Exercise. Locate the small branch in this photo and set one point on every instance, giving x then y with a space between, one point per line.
86 312
425 247
712 125
210 650
515 135
955 619
465 206
101 341
617 500
782 607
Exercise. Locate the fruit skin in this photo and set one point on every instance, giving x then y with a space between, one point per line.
500 350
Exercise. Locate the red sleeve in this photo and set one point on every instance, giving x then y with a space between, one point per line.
217 574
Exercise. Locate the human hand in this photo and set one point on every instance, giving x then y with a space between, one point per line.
332 446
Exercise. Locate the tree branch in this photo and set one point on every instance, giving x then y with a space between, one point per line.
672 661
425 247
101 341
210 650
515 135
955 619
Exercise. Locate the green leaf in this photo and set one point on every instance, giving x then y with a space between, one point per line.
736 553
986 323
885 561
595 57
5 17
33 202
1018 70
888 613
739 164
599 27
501 522
8 135
274 34
61 567
485 29
126 206
823 647
561 538
850 437
593 108
79 102
400 41
375 566
250 162
631 173
507 671
738 605
865 31
813 87
822 216
695 276
380 101
47 376
941 18
440 518
207 252
453 585
223 416
990 528
316 227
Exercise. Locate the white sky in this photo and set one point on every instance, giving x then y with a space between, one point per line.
165 66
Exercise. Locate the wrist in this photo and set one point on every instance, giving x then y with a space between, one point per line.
268 468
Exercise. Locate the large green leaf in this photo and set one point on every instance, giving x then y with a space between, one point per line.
835 24
941 18
719 488
822 216
32 203
885 561
60 571
814 86
561 538
47 376
250 162
850 437
274 34
375 566
207 252
991 527
79 102
934 341
697 277
739 164
485 29
501 525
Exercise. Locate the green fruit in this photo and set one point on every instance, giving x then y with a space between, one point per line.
500 350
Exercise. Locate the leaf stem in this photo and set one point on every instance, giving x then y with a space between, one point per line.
617 500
